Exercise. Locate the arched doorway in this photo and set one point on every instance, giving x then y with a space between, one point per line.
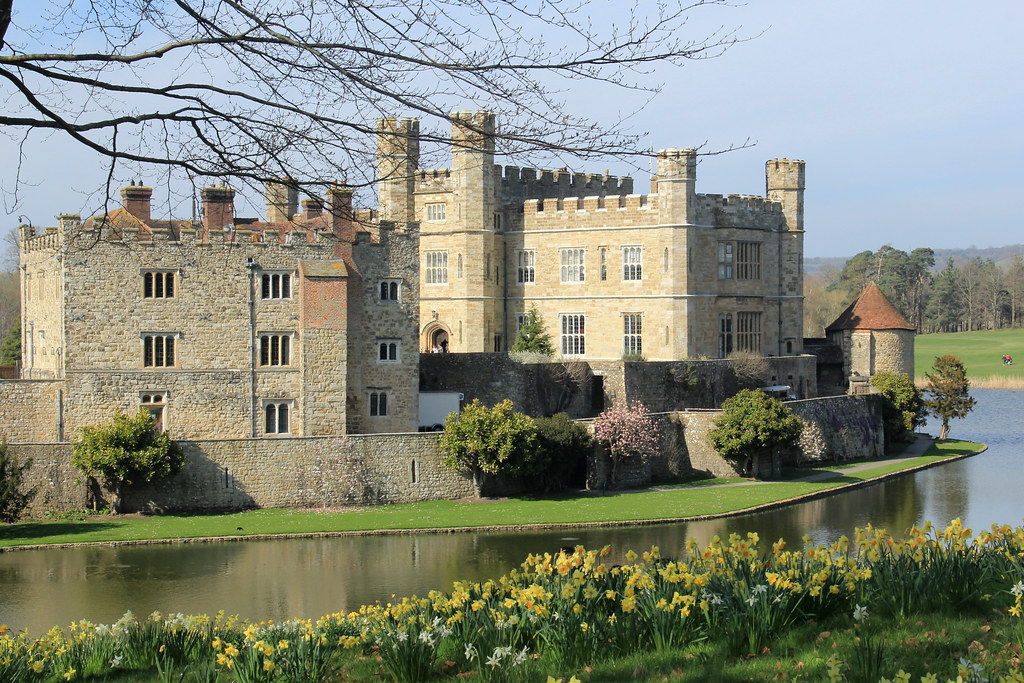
436 339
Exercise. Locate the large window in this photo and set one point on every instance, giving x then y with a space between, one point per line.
572 265
158 285
632 258
277 286
436 267
275 349
631 337
739 260
277 417
436 212
573 334
748 332
525 263
158 350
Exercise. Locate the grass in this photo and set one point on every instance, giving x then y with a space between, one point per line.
670 503
981 353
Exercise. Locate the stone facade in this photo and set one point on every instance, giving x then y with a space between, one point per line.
670 275
303 325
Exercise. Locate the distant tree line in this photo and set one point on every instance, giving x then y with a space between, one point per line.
977 295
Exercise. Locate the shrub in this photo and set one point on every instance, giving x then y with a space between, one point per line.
753 422
628 432
126 450
564 446
488 441
903 411
13 500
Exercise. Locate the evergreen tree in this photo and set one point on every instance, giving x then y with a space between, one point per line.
944 308
10 352
532 336
948 392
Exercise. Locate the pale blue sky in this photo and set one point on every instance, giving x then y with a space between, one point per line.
908 114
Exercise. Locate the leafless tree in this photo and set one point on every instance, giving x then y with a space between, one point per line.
257 89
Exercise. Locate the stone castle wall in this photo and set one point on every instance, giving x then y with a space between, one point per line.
30 410
244 473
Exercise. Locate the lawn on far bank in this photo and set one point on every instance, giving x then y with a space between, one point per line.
981 352
684 501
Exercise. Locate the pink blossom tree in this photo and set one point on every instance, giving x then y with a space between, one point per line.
628 432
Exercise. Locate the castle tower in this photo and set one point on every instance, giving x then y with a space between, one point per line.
398 157
282 199
473 165
785 184
677 185
784 180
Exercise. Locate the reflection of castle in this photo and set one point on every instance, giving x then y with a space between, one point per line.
670 275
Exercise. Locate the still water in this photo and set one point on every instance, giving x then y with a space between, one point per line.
308 578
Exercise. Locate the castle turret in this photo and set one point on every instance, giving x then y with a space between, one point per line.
785 183
218 210
282 199
473 165
677 185
398 157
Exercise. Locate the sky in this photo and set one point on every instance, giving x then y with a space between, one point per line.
908 115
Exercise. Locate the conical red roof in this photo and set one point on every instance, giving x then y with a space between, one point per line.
871 311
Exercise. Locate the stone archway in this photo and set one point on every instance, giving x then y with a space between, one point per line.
436 338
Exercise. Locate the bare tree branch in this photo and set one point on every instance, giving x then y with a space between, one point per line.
258 90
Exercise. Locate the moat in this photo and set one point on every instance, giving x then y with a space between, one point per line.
308 578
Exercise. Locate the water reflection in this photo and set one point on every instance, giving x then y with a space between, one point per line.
288 578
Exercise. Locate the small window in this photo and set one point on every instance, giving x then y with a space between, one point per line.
632 334
275 349
277 286
277 417
436 212
525 266
497 221
158 285
387 351
632 258
390 290
378 404
158 350
156 403
487 267
604 265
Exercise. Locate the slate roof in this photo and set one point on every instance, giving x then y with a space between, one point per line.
871 311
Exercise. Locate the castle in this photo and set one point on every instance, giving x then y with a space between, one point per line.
665 276
300 325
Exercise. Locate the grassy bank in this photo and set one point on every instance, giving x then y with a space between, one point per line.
939 605
981 353
685 501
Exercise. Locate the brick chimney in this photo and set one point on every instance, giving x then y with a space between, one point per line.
218 210
136 201
342 223
313 208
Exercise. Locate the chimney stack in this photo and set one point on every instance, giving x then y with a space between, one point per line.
312 208
342 223
218 210
136 201
282 200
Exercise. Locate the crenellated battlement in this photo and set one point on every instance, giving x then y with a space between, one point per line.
739 211
51 240
590 212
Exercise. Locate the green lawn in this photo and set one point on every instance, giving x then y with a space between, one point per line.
981 352
666 503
